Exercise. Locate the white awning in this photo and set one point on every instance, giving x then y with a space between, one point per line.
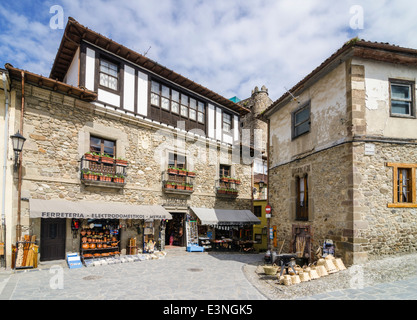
94 210
225 216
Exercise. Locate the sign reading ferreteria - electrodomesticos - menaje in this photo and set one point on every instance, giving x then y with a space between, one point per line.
69 215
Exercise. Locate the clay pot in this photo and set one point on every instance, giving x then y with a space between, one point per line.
99 246
89 232
84 239
83 232
85 246
89 240
104 245
92 245
113 239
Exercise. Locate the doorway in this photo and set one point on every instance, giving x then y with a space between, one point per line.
175 230
53 235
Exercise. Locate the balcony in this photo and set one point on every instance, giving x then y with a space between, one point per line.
177 181
101 171
227 187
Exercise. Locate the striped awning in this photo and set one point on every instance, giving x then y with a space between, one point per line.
65 209
225 216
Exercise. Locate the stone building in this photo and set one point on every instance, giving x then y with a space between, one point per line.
255 133
105 100
343 154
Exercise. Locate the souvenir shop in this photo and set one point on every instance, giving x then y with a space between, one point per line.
225 230
95 229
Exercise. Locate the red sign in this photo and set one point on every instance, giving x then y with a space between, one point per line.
268 209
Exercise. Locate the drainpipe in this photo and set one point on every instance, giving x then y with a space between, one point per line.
19 181
6 131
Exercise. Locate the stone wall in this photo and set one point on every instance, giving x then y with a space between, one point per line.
380 230
329 196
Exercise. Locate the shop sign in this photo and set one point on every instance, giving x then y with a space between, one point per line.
69 215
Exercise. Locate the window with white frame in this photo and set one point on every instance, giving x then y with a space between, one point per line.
109 74
402 98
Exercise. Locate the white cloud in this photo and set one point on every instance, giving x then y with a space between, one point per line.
228 46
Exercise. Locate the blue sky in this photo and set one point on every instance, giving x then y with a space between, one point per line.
229 46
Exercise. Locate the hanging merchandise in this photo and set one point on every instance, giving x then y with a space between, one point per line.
328 248
75 224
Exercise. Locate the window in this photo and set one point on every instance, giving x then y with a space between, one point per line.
404 185
301 121
193 109
302 198
225 171
177 161
184 105
108 75
257 211
177 103
102 146
227 122
200 112
402 98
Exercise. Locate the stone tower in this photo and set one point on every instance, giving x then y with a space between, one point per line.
257 103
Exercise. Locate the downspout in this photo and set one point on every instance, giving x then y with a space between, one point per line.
19 181
268 185
5 144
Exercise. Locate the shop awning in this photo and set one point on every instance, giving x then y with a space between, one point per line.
225 217
94 210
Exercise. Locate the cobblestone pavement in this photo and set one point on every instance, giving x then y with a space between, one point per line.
196 276
188 276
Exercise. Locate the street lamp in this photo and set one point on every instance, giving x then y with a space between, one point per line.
17 140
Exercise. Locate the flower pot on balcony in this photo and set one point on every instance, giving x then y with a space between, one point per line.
121 162
191 174
182 172
172 171
107 160
91 156
180 187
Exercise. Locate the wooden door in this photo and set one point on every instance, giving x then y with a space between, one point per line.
53 234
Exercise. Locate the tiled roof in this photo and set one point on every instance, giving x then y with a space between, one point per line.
55 85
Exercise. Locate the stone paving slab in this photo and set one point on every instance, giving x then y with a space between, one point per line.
191 276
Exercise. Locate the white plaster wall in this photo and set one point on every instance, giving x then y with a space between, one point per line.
90 65
129 89
377 113
210 122
71 77
328 118
108 97
142 93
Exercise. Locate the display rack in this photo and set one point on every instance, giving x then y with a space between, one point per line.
99 242
192 232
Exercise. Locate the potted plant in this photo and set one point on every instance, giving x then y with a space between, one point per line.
121 162
221 190
172 170
224 179
182 172
170 185
91 156
188 187
119 178
181 186
237 181
105 158
191 173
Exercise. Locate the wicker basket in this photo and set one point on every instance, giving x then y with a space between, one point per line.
313 274
339 264
322 271
330 267
304 276
271 270
295 279
287 281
